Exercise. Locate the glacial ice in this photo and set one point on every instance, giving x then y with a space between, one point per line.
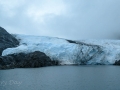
81 52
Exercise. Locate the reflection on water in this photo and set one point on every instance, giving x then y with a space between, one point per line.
61 78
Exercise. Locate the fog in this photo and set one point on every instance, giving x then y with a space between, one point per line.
71 19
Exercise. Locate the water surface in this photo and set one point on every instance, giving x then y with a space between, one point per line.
61 78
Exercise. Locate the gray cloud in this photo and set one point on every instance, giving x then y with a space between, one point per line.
72 19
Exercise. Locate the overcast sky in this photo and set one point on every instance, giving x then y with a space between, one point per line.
71 19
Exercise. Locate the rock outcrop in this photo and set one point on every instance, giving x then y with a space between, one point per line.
22 60
6 40
117 62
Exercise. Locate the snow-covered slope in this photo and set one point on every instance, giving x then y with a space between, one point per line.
82 52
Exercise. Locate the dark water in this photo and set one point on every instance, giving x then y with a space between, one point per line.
61 78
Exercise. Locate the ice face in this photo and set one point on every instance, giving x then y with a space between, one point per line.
82 52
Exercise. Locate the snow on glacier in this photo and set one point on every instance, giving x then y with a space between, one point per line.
82 52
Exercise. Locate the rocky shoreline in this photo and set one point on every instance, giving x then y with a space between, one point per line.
22 60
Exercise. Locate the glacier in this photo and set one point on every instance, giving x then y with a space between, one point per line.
89 52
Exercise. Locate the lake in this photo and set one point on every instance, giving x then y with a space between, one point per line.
85 77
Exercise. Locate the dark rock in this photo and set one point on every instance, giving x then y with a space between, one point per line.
35 59
30 60
6 40
117 62
6 62
71 41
